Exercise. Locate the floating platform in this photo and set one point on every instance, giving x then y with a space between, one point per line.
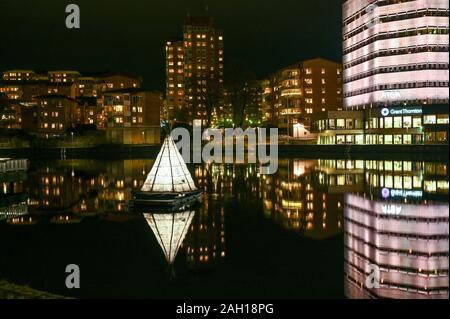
165 199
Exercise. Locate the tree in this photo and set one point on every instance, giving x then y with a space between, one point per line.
238 79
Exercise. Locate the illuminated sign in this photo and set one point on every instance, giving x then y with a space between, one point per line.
391 209
391 95
400 193
401 111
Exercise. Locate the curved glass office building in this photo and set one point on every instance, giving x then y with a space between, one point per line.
396 52
395 75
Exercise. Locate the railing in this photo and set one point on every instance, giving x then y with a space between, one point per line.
11 165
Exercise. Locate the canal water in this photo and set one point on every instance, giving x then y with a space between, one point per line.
313 230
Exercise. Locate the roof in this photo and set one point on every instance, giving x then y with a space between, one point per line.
198 21
319 59
90 100
113 74
18 71
60 83
53 97
63 71
130 91
174 39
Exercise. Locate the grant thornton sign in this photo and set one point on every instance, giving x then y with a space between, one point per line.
396 111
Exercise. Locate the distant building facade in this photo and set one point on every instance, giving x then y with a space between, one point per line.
63 76
133 116
194 70
50 116
292 95
175 95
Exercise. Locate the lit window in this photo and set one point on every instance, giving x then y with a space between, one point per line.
429 119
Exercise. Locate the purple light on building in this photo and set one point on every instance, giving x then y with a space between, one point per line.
385 193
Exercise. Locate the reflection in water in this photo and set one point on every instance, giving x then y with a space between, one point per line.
170 229
408 242
296 200
305 197
12 196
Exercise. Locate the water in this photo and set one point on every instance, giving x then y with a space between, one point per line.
289 235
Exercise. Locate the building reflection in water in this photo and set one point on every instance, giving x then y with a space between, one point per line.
305 196
13 196
205 243
297 200
408 242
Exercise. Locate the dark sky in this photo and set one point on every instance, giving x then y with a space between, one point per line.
129 35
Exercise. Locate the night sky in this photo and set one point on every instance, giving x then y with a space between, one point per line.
129 36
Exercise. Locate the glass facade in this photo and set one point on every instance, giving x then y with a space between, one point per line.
388 126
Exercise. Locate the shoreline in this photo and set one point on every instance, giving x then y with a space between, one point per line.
13 291
417 152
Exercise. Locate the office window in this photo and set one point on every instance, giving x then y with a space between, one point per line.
388 139
340 124
388 181
398 139
407 121
442 119
430 186
388 122
398 122
398 181
429 119
417 182
331 123
407 139
349 124
359 139
417 122
350 139
374 123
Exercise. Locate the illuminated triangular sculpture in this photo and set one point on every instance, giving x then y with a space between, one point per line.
169 182
170 173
